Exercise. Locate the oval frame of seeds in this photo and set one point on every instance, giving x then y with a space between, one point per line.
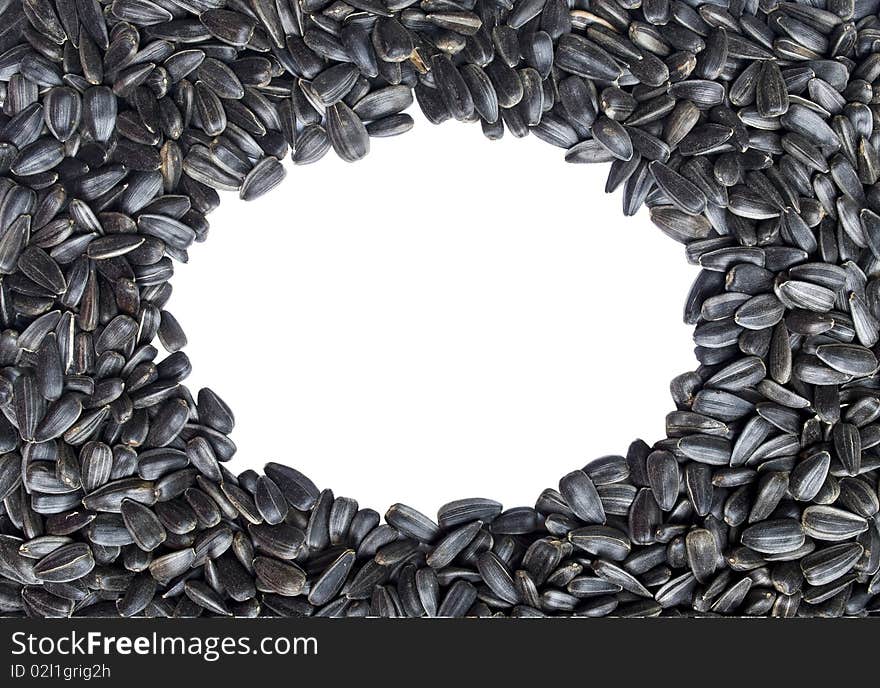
748 130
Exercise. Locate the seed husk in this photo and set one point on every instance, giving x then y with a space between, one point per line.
774 536
831 524
581 496
144 526
67 563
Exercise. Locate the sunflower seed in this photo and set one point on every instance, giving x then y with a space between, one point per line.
748 133
832 524
774 536
67 563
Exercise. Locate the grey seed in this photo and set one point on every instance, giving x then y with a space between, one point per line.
612 136
169 421
680 225
806 295
698 483
204 508
602 541
581 496
482 92
10 474
279 577
140 12
848 358
29 407
265 176
376 538
663 478
681 121
231 27
36 264
771 489
831 563
427 590
683 194
214 412
832 524
505 40
616 499
828 594
865 324
676 591
848 447
242 502
67 563
706 449
138 596
383 102
859 497
13 242
311 145
299 491
96 460
235 579
516 521
760 312
167 229
269 501
590 151
452 88
176 516
318 528
334 83
391 40
113 246
579 99
810 125
202 595
498 577
577 55
411 523
365 580
332 579
614 574
458 600
870 224
730 600
702 554
450 546
209 109
109 497
771 92
143 525
219 78
62 110
774 536
644 517
168 566
587 587
346 133
41 603
99 112
702 139
607 469
704 94
467 510
648 146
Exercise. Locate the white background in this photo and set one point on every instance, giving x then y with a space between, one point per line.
450 317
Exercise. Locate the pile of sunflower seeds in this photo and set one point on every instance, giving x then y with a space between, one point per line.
747 127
